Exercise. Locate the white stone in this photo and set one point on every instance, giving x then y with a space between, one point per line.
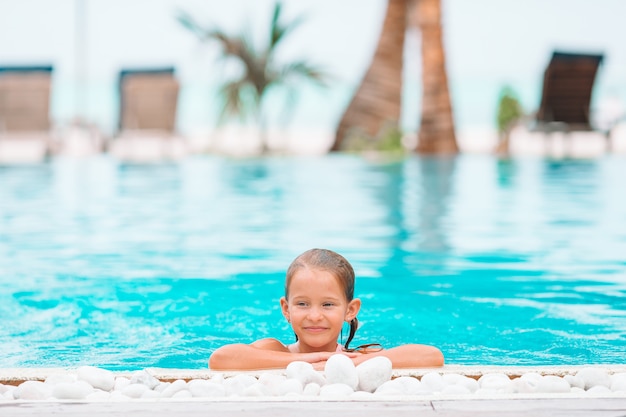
255 390
618 382
461 380
272 382
373 373
312 389
161 386
288 386
98 395
58 378
553 384
599 389
96 377
117 396
362 395
173 388
204 388
120 383
340 369
144 377
134 390
594 377
575 381
455 390
495 381
182 394
3 388
336 390
404 385
432 381
524 385
78 390
296 368
150 394
32 390
237 384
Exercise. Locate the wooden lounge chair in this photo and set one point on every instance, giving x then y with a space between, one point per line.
566 96
147 117
24 113
563 122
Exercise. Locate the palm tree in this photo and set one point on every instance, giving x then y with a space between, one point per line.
377 102
245 95
436 133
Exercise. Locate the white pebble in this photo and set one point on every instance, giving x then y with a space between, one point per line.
96 377
117 396
289 386
553 384
618 382
205 388
173 388
373 373
78 390
340 369
336 390
362 395
58 378
312 389
404 385
182 394
598 389
121 382
134 390
432 381
161 386
150 394
98 395
575 381
594 377
255 390
237 384
461 380
495 381
32 390
145 378
455 390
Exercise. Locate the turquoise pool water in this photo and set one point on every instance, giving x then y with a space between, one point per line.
503 262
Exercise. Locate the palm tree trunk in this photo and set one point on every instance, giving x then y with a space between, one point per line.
436 134
377 102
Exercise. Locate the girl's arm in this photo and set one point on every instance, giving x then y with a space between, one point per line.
407 356
263 354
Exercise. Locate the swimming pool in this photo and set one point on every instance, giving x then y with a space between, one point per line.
499 262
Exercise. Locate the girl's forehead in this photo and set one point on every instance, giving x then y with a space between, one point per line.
307 277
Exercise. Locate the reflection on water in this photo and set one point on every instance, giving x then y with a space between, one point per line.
129 266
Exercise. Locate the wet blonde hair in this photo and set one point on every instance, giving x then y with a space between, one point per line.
329 261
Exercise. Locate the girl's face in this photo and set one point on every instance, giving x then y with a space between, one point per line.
317 308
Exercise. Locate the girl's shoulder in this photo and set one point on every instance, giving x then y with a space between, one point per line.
270 344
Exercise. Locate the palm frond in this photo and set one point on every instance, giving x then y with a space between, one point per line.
277 29
303 70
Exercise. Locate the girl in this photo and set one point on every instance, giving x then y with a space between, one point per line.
319 297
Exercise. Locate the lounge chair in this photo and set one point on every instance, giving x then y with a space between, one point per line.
564 111
24 113
147 117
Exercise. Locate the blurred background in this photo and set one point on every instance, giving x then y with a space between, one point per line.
489 44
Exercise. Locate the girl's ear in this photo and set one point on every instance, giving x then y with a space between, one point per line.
284 307
353 309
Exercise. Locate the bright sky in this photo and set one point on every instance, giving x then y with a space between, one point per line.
489 43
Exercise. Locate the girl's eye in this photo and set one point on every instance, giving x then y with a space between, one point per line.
328 304
301 304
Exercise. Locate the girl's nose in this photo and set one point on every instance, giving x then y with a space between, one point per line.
315 314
